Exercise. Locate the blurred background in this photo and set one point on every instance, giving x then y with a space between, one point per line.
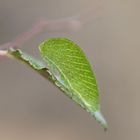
31 108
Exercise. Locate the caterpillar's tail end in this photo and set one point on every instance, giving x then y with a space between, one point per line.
100 118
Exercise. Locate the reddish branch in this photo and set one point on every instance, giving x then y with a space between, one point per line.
70 24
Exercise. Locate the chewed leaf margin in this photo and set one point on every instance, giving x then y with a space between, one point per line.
33 63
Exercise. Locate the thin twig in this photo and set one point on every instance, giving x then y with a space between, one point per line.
70 24
3 53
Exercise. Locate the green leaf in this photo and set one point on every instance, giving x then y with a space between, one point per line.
69 69
73 74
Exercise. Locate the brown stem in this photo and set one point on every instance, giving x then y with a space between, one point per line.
73 24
